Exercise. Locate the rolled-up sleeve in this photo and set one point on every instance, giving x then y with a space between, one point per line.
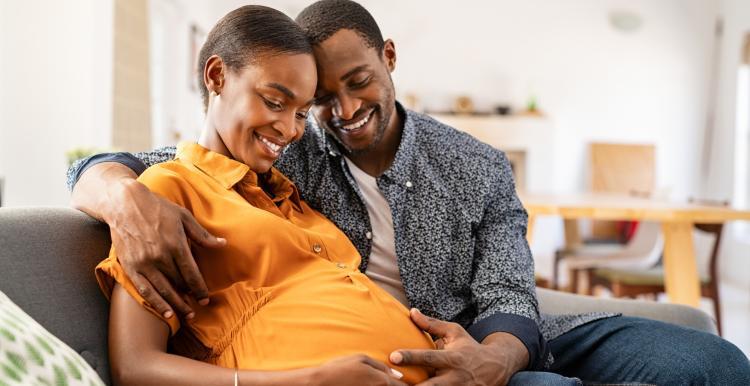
137 162
503 285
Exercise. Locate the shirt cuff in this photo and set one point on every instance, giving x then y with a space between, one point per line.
523 328
126 159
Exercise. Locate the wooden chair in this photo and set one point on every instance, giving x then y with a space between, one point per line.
630 282
613 168
643 251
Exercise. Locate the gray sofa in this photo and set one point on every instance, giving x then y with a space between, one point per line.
47 260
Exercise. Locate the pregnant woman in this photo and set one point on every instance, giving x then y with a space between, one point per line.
287 302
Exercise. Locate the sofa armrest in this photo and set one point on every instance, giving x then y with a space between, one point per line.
556 302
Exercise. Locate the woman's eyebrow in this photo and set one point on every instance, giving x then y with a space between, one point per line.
284 90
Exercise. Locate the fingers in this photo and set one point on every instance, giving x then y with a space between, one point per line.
393 374
375 364
429 358
151 296
199 234
190 272
162 288
433 326
440 343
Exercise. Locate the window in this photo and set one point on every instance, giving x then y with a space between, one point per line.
742 127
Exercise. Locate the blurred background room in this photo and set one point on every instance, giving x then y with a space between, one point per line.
647 100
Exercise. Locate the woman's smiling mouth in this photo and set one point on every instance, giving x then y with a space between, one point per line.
273 148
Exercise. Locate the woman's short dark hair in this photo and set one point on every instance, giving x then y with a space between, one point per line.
247 33
324 18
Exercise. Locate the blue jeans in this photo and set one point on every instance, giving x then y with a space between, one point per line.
625 350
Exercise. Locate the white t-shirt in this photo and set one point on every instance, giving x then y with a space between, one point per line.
382 267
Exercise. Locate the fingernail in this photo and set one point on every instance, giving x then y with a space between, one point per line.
168 314
397 374
396 358
203 302
190 315
221 240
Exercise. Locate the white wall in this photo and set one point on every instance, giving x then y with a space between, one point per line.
55 92
735 255
595 83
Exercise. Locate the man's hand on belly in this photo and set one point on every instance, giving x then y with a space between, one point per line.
461 360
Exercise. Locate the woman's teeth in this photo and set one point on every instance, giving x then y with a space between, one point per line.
357 125
274 147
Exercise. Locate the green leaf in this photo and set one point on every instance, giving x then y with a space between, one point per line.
73 369
18 361
45 344
60 378
34 354
10 322
7 334
11 373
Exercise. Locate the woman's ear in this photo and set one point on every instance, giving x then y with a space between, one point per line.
389 55
213 74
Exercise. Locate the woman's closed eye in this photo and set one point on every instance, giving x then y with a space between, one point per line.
274 106
302 115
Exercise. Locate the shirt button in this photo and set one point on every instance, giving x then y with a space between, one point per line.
317 248
368 235
340 265
409 184
332 153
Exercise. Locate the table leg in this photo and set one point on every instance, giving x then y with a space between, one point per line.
572 233
681 278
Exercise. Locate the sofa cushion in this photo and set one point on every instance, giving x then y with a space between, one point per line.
30 355
47 260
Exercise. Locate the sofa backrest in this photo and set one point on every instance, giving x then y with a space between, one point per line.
47 260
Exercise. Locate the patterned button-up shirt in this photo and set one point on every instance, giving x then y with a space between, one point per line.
459 226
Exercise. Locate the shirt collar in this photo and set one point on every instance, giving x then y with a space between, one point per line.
229 172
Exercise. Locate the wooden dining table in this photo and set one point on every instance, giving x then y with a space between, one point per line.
681 279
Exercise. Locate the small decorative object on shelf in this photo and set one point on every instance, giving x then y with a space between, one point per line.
532 108
463 105
503 110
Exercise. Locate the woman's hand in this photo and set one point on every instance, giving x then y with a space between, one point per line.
355 370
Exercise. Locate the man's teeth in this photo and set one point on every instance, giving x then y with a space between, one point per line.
357 125
270 144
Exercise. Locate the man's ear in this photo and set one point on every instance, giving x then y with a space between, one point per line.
389 54
213 74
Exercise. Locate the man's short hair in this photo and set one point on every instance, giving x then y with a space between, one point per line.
324 18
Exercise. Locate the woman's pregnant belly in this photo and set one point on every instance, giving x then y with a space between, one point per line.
307 320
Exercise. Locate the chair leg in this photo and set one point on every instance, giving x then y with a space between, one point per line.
717 305
555 284
590 282
617 289
573 281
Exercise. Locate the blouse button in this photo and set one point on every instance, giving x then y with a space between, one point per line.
317 248
409 184
368 235
340 265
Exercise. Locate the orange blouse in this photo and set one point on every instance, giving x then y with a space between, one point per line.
285 291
